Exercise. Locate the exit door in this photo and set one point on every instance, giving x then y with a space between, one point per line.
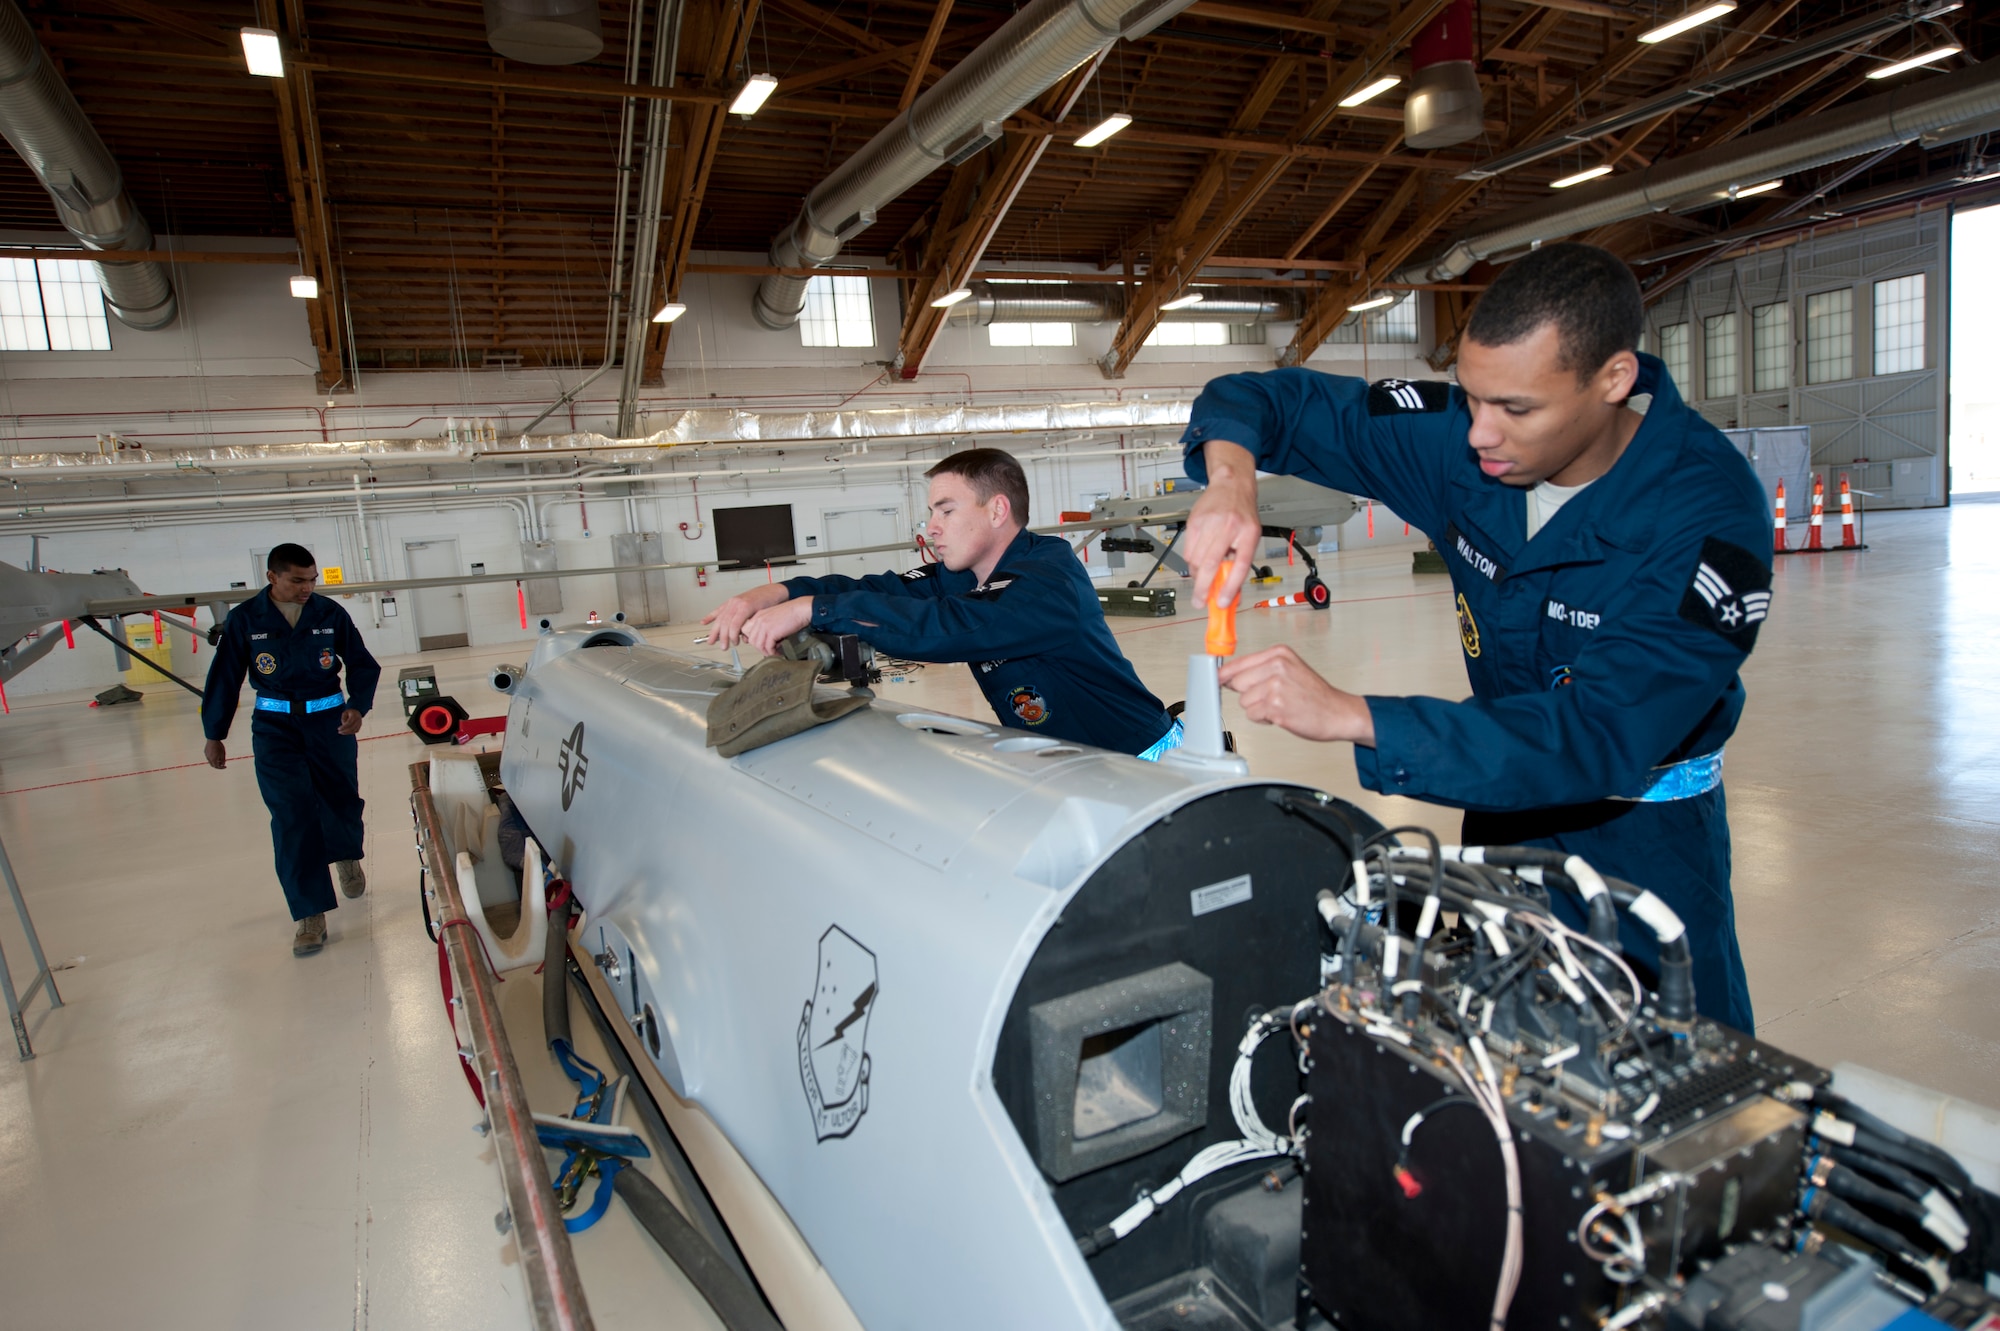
862 527
439 611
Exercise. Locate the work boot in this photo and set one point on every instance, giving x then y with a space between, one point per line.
311 936
352 881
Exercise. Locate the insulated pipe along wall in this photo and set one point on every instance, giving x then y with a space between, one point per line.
1090 303
1943 109
956 117
40 118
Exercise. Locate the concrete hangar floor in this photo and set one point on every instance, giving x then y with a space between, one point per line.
218 1135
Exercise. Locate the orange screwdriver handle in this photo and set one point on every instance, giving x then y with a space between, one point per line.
1221 618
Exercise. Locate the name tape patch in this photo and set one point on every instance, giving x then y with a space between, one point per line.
1570 615
1478 560
1206 900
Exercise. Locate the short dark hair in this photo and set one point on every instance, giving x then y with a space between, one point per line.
989 472
1587 293
288 556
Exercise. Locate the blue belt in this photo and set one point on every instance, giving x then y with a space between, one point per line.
1680 781
1170 741
266 703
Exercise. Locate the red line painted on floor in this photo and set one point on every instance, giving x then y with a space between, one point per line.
1202 623
148 771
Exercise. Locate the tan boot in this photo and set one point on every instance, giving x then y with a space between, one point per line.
352 881
311 936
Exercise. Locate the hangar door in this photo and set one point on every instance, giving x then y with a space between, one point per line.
439 611
856 528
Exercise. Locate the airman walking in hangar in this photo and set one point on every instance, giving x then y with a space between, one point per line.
294 646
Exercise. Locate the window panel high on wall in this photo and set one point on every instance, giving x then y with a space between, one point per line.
1188 335
1719 356
1830 336
51 305
1032 335
1674 353
1771 347
1899 324
838 313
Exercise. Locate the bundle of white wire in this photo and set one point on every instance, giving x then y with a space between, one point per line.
1258 1143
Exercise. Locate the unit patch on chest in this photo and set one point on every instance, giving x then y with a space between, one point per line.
1029 705
267 664
326 658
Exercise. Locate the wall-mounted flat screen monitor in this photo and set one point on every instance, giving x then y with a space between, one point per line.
750 536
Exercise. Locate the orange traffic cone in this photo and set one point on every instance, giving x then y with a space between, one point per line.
1818 513
1778 534
1276 602
1847 539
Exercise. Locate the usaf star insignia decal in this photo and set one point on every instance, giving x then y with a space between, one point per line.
1729 594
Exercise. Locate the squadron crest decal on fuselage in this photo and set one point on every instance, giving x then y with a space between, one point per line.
834 1066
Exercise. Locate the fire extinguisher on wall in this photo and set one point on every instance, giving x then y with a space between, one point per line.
700 575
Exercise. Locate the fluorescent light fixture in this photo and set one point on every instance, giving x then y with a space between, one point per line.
1914 62
1590 174
1373 302
1373 90
1765 188
260 52
305 287
754 94
1103 129
1694 18
1187 302
669 312
951 298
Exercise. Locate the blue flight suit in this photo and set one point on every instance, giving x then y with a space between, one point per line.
1033 633
1603 654
306 770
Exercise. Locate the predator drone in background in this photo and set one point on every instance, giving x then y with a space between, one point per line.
1009 1033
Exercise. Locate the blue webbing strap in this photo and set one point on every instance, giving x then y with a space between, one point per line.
590 1084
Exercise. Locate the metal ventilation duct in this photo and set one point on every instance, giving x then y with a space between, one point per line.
1093 303
40 117
956 117
544 32
1944 109
1445 105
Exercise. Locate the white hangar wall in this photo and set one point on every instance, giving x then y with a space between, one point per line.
237 370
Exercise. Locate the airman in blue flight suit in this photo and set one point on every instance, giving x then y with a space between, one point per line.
1606 547
293 645
1016 607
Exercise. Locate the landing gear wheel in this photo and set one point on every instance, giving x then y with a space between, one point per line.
1132 584
1263 570
1317 596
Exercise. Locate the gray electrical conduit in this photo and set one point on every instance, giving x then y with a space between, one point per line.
703 1250
501 486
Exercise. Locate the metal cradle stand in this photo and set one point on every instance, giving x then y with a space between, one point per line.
42 976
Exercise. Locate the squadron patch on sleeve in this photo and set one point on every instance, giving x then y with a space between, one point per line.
1397 397
1730 593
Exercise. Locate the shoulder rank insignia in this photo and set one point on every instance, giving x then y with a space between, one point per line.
1397 397
1729 594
